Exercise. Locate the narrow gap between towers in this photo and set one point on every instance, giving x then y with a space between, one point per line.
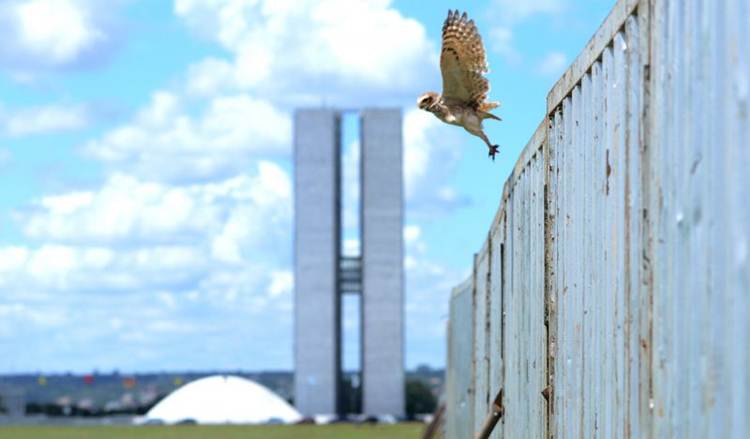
350 275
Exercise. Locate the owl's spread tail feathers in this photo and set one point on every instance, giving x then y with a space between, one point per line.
484 110
486 115
487 106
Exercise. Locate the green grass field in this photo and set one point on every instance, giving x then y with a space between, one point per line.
339 431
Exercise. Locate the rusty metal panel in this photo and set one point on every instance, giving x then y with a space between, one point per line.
497 278
700 101
482 396
625 226
513 311
555 223
590 92
595 209
537 348
598 360
552 236
524 332
593 205
459 370
638 299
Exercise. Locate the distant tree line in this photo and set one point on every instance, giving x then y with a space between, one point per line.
420 398
54 409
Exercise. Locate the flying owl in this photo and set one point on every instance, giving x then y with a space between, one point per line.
463 64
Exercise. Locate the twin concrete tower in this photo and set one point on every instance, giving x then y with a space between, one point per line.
323 274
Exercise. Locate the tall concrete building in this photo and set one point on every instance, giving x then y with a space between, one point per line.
322 274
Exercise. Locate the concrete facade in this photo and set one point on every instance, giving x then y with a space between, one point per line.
317 352
382 262
322 275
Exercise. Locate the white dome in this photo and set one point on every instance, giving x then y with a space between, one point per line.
222 399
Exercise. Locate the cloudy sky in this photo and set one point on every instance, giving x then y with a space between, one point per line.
145 173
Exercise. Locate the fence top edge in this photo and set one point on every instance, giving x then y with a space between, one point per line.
462 287
484 250
591 52
532 147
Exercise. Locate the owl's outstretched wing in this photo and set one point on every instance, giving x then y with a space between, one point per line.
463 62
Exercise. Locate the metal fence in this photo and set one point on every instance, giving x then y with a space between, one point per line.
612 295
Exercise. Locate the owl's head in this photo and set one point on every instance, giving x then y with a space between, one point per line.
427 100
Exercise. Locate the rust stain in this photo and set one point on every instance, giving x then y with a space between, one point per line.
609 172
547 392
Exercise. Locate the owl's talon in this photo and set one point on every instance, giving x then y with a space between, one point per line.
493 151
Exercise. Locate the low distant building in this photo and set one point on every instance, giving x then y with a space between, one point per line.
13 401
222 399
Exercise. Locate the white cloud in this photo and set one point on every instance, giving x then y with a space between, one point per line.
77 270
230 215
266 205
43 119
49 34
207 77
12 258
57 30
501 40
157 261
553 64
335 60
415 245
124 209
427 281
165 142
282 283
15 313
311 52
411 234
432 151
178 234
507 14
418 150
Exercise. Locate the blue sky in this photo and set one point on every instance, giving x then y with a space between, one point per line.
145 174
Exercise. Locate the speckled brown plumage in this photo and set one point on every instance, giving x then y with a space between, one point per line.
463 64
